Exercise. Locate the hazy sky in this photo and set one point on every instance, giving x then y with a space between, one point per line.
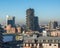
46 10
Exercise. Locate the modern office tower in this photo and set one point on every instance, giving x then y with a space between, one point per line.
30 19
10 20
1 37
36 24
55 24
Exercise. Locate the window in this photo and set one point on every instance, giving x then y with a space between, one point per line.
32 44
49 44
54 45
40 44
44 40
50 41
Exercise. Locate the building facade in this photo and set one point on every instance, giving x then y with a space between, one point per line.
1 37
36 24
31 20
42 42
10 20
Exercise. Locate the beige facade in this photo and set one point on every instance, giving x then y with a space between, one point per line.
47 45
55 33
32 45
43 45
9 29
19 29
13 30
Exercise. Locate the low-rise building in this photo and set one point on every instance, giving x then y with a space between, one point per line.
41 42
55 33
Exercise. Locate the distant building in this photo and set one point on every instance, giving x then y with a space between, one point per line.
10 20
19 28
50 25
36 24
55 33
55 24
31 20
41 42
44 33
1 37
10 29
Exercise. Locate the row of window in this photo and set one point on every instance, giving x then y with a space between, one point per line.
51 44
40 45
49 41
43 41
28 44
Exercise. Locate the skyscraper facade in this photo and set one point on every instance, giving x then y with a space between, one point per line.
31 20
10 20
1 36
55 24
36 24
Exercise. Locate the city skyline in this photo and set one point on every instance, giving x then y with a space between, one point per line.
46 10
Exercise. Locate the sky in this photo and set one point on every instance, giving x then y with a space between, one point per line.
46 10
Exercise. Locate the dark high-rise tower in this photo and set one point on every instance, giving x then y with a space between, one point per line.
55 24
31 20
1 36
36 24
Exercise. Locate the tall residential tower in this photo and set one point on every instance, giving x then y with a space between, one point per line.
31 20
